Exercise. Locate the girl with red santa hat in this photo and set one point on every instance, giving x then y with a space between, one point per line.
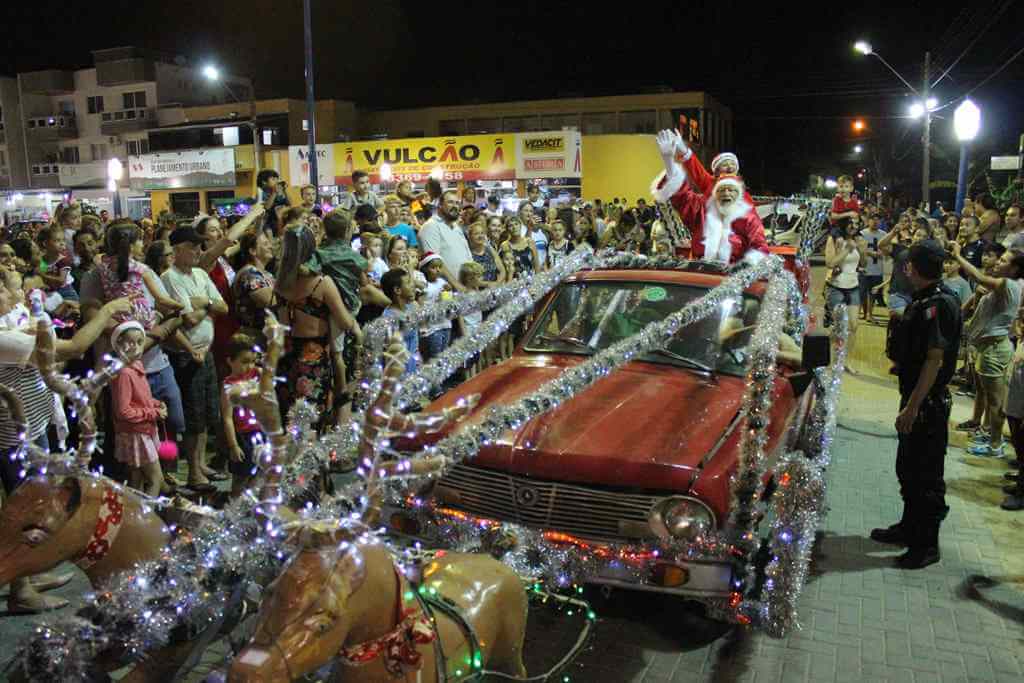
723 223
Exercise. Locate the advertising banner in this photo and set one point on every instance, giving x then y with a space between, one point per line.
449 159
553 154
199 168
91 174
298 164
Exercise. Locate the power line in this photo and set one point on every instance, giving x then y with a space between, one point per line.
992 75
977 37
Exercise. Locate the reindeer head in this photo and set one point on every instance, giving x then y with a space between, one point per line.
303 621
29 522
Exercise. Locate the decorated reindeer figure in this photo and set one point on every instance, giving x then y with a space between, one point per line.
343 599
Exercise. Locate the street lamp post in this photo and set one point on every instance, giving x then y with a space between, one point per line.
212 73
923 107
307 26
966 122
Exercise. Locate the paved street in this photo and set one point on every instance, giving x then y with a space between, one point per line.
863 619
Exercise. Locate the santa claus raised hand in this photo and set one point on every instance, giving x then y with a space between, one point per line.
723 223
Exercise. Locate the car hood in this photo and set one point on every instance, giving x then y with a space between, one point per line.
646 426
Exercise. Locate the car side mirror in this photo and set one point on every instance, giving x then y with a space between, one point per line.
817 351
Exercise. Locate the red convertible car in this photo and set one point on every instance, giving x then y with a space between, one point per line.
651 444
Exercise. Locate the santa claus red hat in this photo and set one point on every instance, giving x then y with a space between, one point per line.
728 179
428 257
724 156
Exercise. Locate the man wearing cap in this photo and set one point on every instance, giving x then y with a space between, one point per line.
723 224
924 349
367 219
194 368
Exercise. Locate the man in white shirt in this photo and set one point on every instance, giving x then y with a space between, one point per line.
194 369
443 236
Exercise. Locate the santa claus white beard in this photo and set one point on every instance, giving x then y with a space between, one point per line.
731 211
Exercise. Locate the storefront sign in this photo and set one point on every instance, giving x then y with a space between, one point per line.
298 164
468 157
553 154
92 174
190 169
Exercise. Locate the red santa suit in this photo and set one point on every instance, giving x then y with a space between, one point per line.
704 181
736 235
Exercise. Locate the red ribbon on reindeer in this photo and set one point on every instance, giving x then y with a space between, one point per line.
399 646
108 524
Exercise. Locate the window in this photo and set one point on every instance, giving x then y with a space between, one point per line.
69 155
483 125
140 99
107 116
96 104
3 158
185 203
637 121
452 127
31 123
35 170
99 152
130 114
119 116
67 107
599 123
128 100
133 148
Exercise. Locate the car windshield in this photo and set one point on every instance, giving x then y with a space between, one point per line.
588 317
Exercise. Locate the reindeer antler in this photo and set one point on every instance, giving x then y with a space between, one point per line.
259 396
83 394
382 420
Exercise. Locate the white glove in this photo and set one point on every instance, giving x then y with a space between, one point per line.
681 146
667 141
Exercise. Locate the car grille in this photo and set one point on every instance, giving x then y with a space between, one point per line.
584 511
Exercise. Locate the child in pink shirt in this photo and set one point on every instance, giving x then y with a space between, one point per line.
135 411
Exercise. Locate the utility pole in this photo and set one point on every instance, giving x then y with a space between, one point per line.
927 138
255 138
310 100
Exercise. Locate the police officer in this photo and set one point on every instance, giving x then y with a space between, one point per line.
924 349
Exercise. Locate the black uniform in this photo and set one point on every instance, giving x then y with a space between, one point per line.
931 321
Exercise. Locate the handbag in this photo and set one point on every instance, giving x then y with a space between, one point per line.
167 451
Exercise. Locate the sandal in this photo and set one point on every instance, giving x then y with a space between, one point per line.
49 582
38 605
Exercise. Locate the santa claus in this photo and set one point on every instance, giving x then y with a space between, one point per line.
723 223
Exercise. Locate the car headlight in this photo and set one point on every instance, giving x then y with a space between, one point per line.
679 518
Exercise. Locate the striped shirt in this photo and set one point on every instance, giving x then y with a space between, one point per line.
37 399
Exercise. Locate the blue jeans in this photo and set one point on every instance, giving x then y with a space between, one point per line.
434 343
164 388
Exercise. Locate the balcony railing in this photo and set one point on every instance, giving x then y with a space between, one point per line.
52 127
127 121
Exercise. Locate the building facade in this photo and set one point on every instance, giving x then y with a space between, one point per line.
61 127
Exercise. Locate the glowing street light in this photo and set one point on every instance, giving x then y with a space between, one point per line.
857 149
830 183
863 47
932 103
916 110
966 123
858 125
211 72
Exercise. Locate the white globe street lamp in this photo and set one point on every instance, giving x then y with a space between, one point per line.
966 123
863 47
211 72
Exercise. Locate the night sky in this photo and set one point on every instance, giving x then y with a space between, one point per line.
787 71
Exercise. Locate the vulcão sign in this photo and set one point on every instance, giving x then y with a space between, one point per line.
470 157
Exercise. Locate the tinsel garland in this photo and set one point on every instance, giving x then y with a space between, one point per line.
799 502
748 482
189 585
466 442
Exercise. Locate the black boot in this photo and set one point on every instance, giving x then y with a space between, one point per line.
922 547
896 535
1014 502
